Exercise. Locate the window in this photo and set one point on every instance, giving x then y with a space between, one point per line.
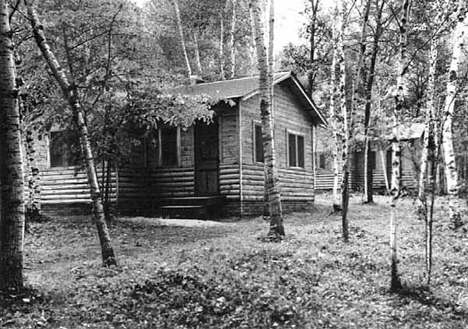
372 160
259 156
169 146
322 161
295 150
63 150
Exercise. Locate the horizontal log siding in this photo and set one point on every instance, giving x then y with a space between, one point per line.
41 148
296 184
173 182
229 181
66 187
409 173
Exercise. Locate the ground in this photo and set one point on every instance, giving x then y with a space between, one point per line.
224 275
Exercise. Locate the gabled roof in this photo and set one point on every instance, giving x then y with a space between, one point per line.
245 88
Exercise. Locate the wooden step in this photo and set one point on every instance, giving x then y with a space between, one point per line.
184 211
193 200
202 207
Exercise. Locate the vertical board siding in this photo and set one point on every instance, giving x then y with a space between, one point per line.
296 184
228 137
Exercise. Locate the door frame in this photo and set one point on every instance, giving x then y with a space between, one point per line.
197 166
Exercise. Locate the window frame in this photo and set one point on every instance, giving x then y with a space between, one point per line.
160 147
297 153
70 160
322 160
256 124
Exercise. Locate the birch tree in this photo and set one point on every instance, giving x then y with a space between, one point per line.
345 136
276 231
314 7
182 38
368 86
333 112
449 110
222 74
430 151
11 166
231 45
395 283
70 94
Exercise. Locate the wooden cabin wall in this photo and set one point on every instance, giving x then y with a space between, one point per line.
410 158
168 182
229 172
136 187
296 184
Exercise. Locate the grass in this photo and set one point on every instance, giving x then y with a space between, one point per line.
226 276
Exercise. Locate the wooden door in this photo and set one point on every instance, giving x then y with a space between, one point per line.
206 158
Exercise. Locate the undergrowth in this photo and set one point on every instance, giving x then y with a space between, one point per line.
224 276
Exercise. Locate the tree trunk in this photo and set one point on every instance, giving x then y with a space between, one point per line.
232 50
395 284
276 232
369 83
270 56
313 30
197 54
427 157
253 48
384 168
333 118
222 73
449 109
359 93
346 133
70 95
11 167
182 38
33 204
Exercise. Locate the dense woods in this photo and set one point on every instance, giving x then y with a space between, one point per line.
103 73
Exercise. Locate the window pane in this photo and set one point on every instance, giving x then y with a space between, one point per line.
292 150
372 160
259 155
322 161
169 146
300 151
62 149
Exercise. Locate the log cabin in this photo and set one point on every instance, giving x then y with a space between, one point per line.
225 158
380 160
210 169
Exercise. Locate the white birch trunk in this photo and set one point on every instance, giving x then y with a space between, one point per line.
70 95
33 204
449 109
11 167
182 38
222 73
384 168
346 129
197 54
428 158
396 148
333 117
232 49
276 231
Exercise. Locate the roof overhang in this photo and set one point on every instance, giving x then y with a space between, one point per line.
289 79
